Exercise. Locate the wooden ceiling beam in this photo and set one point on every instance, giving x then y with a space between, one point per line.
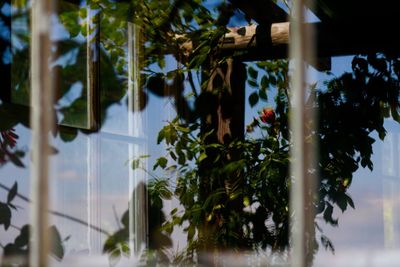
337 39
247 37
262 11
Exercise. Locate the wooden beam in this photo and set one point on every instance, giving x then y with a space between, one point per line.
332 39
262 11
256 42
355 10
266 42
247 37
356 37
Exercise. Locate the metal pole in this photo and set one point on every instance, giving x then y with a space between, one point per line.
41 124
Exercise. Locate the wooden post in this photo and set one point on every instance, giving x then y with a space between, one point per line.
229 121
224 97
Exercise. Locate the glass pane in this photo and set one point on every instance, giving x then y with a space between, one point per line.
71 66
359 126
172 139
172 143
358 100
15 138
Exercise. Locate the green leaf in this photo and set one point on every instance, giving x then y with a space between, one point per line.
162 162
57 248
70 21
202 157
125 250
68 136
12 193
114 257
253 83
253 73
14 159
173 156
183 129
341 201
246 201
272 80
161 136
327 243
350 201
135 164
181 158
253 99
328 215
5 215
22 239
263 94
264 82
83 12
174 211
191 232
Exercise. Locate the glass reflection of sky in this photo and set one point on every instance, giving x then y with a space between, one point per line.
372 229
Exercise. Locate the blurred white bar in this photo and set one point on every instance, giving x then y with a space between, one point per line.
93 143
41 124
302 153
136 127
296 52
94 239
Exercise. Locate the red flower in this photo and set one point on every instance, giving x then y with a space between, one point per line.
268 116
8 152
9 137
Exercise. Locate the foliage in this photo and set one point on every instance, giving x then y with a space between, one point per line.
18 251
242 194
247 183
117 244
353 106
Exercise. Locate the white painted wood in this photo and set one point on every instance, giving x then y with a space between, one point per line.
94 238
302 152
41 124
138 224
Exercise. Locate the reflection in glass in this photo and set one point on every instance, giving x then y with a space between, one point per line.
365 98
74 64
172 144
